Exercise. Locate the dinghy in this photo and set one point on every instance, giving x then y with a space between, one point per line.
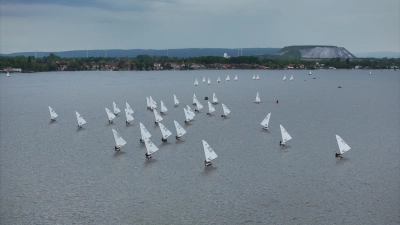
157 117
291 77
80 119
257 98
204 79
254 77
119 141
179 130
110 115
236 78
144 133
226 110
343 146
209 82
190 110
219 80
129 117
210 108
309 73
284 77
209 153
194 99
228 78
148 103
265 122
196 83
8 74
153 104
198 106
215 100
128 107
53 114
116 109
370 72
257 77
285 136
165 132
163 108
176 102
188 115
150 148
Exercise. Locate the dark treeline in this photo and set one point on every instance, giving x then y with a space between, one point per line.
146 62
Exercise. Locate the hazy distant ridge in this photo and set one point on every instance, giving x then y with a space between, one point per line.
322 52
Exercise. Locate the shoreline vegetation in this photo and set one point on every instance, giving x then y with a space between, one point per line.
149 63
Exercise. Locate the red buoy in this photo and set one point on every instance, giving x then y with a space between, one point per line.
277 101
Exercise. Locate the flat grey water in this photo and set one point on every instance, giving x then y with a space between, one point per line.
53 173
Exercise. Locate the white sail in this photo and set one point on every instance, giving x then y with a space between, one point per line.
148 102
370 72
285 135
254 77
209 82
144 132
199 105
153 104
215 100
204 79
53 114
309 73
150 147
179 129
257 98
194 99
128 107
284 77
119 141
228 78
190 110
128 115
157 116
110 115
196 83
236 78
81 121
8 74
210 107
291 77
219 80
176 102
265 122
258 77
208 151
188 115
116 109
226 110
343 146
163 108
165 132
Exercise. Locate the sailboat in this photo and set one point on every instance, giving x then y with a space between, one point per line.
228 78
204 79
53 114
209 153
343 146
194 99
257 77
119 141
163 108
8 74
215 100
179 130
226 110
254 77
165 132
309 73
150 148
196 83
129 116
128 107
80 119
148 103
291 77
257 98
144 133
157 116
110 115
370 72
210 108
219 80
190 110
265 122
209 82
116 109
188 115
236 78
285 136
176 102
153 104
284 77
198 106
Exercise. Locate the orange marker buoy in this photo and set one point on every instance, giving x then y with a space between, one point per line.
277 101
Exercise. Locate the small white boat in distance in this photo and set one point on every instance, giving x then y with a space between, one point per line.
284 77
128 107
196 83
198 106
226 110
119 141
116 109
163 108
258 100
265 122
215 100
209 153
204 79
209 82
343 146
80 119
165 132
236 78
8 74
179 131
291 77
144 133
150 148
254 77
370 72
157 117
257 77
228 78
309 73
153 104
188 115
176 102
53 115
190 110
194 99
110 115
148 103
219 80
129 117
285 136
210 108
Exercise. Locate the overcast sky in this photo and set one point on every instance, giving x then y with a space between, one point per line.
59 25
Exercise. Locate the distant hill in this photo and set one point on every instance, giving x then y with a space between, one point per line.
378 55
315 52
183 52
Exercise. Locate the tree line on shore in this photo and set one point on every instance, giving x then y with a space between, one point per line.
146 62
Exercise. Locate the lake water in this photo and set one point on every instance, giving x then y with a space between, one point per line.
53 173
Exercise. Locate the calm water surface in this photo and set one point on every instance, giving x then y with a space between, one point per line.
53 173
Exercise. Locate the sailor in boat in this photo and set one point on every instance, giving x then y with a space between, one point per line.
177 137
148 156
206 98
209 113
223 115
277 101
127 122
337 155
110 121
266 128
141 141
196 110
155 122
281 143
79 126
52 119
163 139
117 148
207 163
339 86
